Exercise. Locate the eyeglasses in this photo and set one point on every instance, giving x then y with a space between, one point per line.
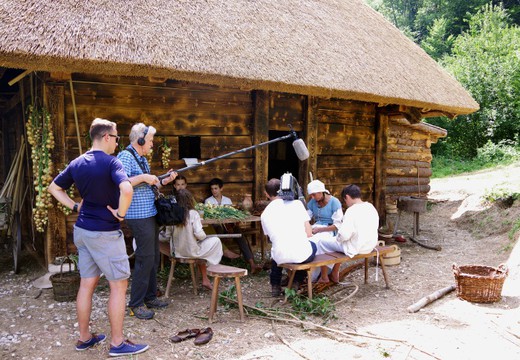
115 136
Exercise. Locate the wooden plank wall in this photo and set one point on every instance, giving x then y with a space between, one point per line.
221 117
345 145
409 160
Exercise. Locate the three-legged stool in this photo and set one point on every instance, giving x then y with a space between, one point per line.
224 271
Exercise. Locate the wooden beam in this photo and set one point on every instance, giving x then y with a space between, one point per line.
19 77
310 137
381 142
412 114
56 235
260 135
59 76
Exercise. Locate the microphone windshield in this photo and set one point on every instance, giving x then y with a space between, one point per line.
301 150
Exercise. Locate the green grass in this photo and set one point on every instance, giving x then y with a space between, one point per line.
443 166
489 156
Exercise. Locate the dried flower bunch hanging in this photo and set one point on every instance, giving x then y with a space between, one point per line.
149 157
64 209
165 153
41 139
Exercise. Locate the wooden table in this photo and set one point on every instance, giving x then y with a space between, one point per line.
250 219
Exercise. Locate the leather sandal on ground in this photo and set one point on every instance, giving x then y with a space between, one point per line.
204 336
183 335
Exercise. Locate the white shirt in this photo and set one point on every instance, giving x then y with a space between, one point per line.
212 201
358 231
284 223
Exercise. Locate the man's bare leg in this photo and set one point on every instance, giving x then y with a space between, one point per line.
324 278
116 309
84 306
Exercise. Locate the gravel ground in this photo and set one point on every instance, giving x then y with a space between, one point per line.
34 326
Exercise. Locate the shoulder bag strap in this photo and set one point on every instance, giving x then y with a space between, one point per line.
154 188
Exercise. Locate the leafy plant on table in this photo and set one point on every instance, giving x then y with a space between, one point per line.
221 212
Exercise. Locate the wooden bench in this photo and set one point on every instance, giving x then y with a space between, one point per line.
334 258
223 271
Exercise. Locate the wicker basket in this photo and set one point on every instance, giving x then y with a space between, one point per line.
480 284
65 285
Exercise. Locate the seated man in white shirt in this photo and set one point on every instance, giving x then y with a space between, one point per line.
286 222
217 198
357 233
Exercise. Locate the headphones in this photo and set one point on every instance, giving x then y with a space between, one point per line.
141 141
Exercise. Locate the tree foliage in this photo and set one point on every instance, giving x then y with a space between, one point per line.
478 41
486 60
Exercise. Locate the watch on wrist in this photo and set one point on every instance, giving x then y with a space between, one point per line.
75 207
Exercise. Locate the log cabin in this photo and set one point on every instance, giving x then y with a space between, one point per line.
215 77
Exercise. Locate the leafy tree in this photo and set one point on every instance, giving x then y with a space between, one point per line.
438 42
485 59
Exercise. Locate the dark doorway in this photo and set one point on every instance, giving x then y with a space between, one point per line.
282 157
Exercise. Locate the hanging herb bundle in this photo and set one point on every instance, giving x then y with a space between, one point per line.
149 157
165 153
41 139
64 209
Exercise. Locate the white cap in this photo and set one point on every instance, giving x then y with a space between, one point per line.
316 186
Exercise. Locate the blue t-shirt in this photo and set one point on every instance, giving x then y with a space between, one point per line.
97 176
323 216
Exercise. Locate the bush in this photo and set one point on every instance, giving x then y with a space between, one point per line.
504 151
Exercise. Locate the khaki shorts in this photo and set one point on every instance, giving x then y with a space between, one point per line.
102 252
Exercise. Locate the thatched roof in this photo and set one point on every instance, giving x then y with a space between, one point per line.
325 48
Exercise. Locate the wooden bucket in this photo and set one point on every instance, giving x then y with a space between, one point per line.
392 258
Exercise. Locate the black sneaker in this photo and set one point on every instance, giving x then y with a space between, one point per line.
156 304
276 290
141 312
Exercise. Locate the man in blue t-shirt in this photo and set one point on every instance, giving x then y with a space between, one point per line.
106 195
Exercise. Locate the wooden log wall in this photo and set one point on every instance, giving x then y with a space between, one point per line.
221 117
409 158
345 145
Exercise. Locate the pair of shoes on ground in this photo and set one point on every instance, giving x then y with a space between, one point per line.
126 348
202 336
145 312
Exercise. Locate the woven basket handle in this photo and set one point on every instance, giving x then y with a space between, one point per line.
67 259
456 270
502 268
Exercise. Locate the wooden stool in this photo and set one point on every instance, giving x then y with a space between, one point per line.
224 271
191 262
164 248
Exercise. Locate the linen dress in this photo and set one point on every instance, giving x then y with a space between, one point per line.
190 241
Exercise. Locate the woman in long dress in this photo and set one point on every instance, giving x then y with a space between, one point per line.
190 240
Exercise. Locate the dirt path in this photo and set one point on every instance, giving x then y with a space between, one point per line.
34 326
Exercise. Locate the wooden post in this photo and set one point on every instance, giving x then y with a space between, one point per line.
260 135
381 130
311 140
56 235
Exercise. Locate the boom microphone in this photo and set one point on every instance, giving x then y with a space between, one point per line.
300 149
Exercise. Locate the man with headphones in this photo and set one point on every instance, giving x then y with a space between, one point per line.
140 218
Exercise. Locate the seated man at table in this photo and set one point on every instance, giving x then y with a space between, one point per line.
217 198
287 224
357 233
